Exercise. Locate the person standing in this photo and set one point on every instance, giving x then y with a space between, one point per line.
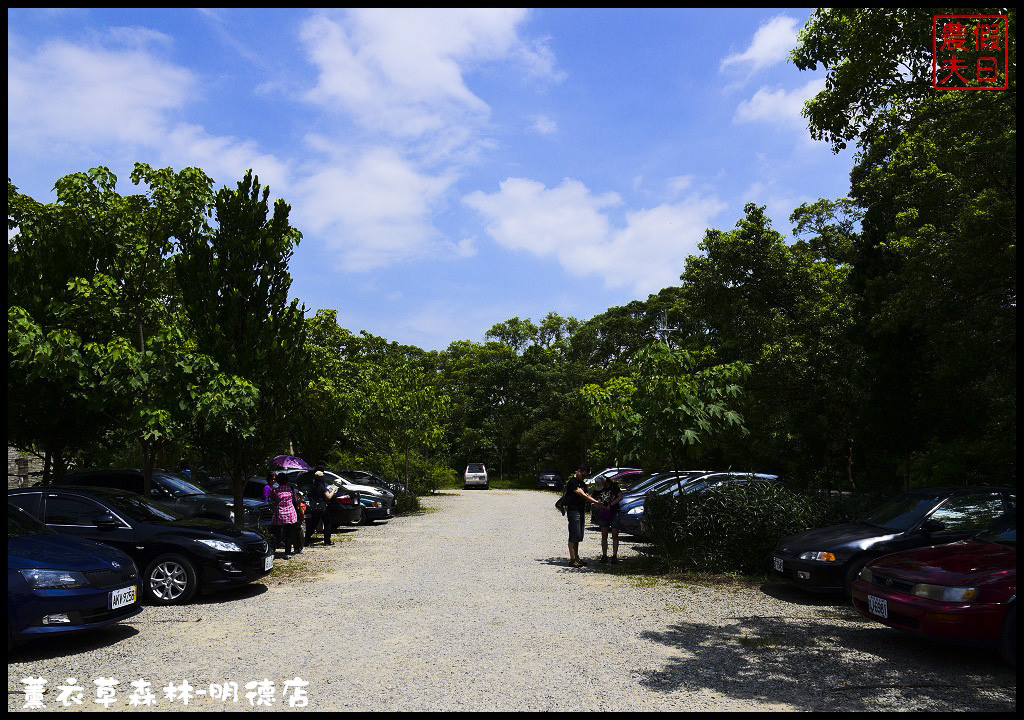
317 513
609 498
285 500
576 499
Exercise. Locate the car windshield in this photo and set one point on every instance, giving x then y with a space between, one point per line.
20 524
901 512
1002 532
141 509
475 468
178 486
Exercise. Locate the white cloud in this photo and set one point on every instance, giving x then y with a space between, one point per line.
120 104
570 224
771 44
374 209
74 94
543 125
780 107
401 71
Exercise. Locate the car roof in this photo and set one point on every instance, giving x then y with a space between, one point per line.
77 489
960 489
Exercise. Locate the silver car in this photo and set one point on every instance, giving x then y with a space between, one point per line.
475 476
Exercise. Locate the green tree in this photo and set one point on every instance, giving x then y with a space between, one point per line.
234 283
785 310
94 330
668 406
934 266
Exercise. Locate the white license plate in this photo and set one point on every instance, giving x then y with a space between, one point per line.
778 563
878 606
123 597
268 562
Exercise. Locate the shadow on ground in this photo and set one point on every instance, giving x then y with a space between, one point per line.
833 660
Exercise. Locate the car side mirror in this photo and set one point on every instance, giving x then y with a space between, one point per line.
930 526
105 521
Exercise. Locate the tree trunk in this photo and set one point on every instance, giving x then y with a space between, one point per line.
849 465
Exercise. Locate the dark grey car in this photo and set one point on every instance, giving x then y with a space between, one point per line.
830 558
186 497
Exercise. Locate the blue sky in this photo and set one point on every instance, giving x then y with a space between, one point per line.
449 169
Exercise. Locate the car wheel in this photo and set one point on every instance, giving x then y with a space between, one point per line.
1008 642
171 580
856 565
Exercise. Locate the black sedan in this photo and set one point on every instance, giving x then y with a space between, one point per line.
178 556
829 559
58 584
188 498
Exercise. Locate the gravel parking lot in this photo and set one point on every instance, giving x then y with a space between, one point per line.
472 606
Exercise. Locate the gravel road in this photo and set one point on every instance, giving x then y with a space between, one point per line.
472 606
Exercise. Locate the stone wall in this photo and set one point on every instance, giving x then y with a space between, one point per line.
23 469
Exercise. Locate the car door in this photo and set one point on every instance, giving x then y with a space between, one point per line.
80 516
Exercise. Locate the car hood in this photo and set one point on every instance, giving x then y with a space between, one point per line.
967 562
61 551
833 537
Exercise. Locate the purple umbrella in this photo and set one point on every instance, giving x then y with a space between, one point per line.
286 462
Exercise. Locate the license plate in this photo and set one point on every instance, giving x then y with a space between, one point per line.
123 597
268 562
778 563
878 606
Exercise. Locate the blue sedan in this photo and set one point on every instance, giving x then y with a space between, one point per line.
62 584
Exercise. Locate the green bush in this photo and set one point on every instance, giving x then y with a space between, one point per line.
728 529
406 502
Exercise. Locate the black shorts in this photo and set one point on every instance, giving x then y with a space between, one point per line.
575 524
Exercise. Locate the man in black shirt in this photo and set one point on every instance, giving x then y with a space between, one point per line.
576 499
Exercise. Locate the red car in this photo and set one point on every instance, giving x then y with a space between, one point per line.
962 592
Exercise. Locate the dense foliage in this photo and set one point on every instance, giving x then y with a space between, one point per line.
873 349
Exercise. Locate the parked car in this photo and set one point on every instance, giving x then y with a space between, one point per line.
179 556
678 482
188 498
631 508
549 480
628 477
58 584
376 503
609 472
365 477
475 476
964 592
829 559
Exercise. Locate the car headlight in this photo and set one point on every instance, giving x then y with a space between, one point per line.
221 545
944 593
867 576
819 556
52 579
635 511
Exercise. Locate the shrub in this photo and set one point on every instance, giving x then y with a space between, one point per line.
728 529
406 502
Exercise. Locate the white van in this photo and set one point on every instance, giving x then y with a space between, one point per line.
475 476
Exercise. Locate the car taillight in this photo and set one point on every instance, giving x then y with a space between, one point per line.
345 499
